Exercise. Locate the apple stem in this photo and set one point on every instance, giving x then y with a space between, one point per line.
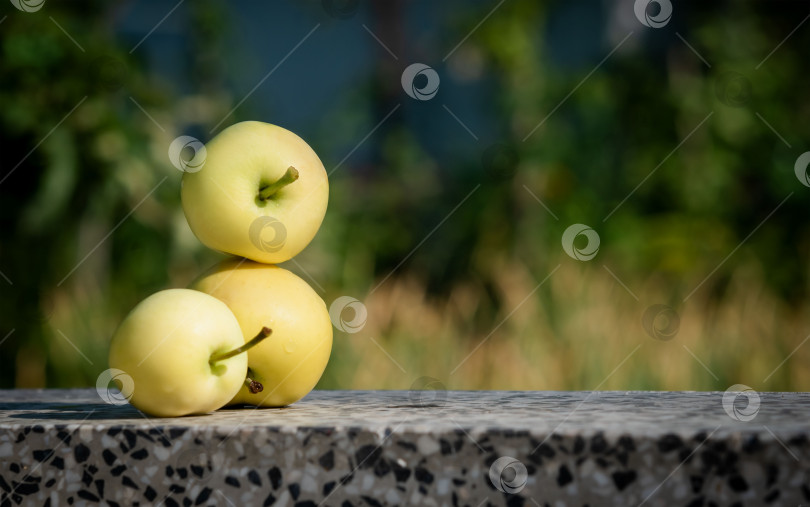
253 386
269 190
264 333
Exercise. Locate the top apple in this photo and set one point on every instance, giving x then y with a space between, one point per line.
261 193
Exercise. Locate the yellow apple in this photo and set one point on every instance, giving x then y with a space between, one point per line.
183 351
261 193
291 362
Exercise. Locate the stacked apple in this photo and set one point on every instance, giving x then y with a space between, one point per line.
246 331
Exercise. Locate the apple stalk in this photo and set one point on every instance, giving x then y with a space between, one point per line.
267 191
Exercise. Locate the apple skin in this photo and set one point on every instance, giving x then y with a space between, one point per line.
221 199
165 344
291 361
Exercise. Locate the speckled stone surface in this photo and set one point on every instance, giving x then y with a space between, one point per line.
344 448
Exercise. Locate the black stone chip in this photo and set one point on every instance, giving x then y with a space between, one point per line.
114 431
175 433
407 445
771 474
176 488
275 477
14 467
232 481
86 478
564 476
737 483
43 454
623 478
254 478
25 488
371 501
81 452
327 488
598 444
100 487
697 483
295 490
58 462
203 497
697 502
367 455
171 502
445 446
382 468
423 475
150 493
139 454
4 485
48 484
270 500
346 503
86 495
64 436
108 456
131 438
126 481
306 503
118 470
327 461
38 429
401 473
669 442
772 496
579 444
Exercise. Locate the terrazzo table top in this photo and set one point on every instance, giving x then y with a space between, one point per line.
346 448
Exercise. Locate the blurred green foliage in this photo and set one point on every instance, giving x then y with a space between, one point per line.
674 161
